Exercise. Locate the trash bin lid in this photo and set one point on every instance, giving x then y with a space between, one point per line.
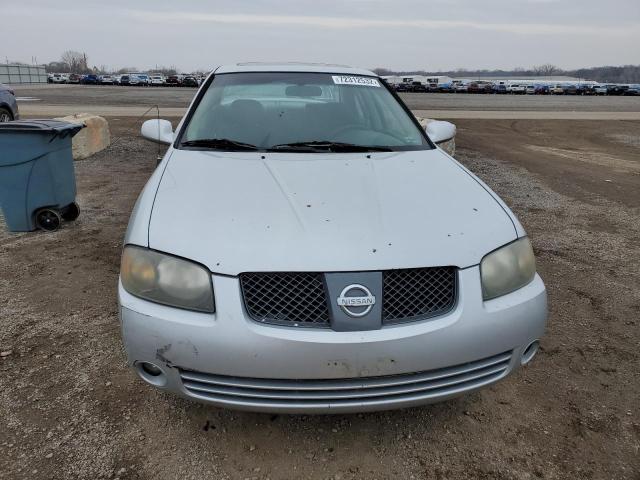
56 127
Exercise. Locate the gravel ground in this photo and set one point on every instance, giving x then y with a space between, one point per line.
70 409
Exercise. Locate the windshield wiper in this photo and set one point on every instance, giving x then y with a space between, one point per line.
218 144
327 146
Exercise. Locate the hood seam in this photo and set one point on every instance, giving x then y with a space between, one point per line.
155 195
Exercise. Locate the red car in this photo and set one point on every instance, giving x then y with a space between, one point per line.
174 80
479 87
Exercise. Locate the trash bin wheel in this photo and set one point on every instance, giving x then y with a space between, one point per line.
48 219
71 212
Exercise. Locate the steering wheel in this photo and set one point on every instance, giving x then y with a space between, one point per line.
352 127
346 128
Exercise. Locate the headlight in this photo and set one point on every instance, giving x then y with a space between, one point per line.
165 279
507 269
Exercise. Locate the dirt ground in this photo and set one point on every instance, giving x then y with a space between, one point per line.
70 408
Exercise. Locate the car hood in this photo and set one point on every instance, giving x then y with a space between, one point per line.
245 211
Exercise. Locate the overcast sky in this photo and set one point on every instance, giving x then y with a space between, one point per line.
398 34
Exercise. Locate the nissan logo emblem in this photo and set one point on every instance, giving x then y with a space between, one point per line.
356 300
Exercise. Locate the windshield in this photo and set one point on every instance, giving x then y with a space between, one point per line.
300 111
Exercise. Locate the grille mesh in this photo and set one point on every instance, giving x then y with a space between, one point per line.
286 298
299 298
417 293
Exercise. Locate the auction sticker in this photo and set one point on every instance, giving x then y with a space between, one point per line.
352 80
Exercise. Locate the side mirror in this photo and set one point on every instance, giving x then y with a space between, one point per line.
159 131
440 132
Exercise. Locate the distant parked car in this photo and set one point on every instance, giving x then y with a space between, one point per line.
587 89
174 80
157 80
601 89
500 88
59 78
517 88
190 81
124 80
139 79
419 87
105 80
445 87
617 89
479 87
134 80
530 89
557 90
462 87
74 78
541 89
8 104
571 90
403 87
90 80
633 90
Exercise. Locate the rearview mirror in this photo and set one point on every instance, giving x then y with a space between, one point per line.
159 131
440 132
303 91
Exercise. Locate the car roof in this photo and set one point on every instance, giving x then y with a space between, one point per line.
292 67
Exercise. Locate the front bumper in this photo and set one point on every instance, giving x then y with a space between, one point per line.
228 360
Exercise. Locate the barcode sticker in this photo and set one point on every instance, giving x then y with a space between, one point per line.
351 80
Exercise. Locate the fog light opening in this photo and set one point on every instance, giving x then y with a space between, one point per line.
530 352
151 373
151 369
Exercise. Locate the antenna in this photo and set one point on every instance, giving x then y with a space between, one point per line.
159 150
158 157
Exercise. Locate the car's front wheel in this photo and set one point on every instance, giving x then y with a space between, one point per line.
5 115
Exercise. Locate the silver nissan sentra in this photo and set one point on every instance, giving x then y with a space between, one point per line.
305 246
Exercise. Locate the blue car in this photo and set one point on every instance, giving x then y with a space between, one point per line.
8 104
541 90
90 80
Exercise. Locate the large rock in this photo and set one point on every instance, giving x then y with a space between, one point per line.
91 139
449 146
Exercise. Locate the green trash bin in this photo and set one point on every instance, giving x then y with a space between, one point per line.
37 177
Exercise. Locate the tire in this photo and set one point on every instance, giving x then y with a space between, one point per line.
71 212
48 220
5 115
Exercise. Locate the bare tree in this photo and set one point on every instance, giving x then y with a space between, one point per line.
126 70
172 70
545 70
382 71
76 61
612 74
57 67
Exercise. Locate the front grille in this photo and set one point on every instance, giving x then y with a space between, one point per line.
289 298
335 393
417 293
299 298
